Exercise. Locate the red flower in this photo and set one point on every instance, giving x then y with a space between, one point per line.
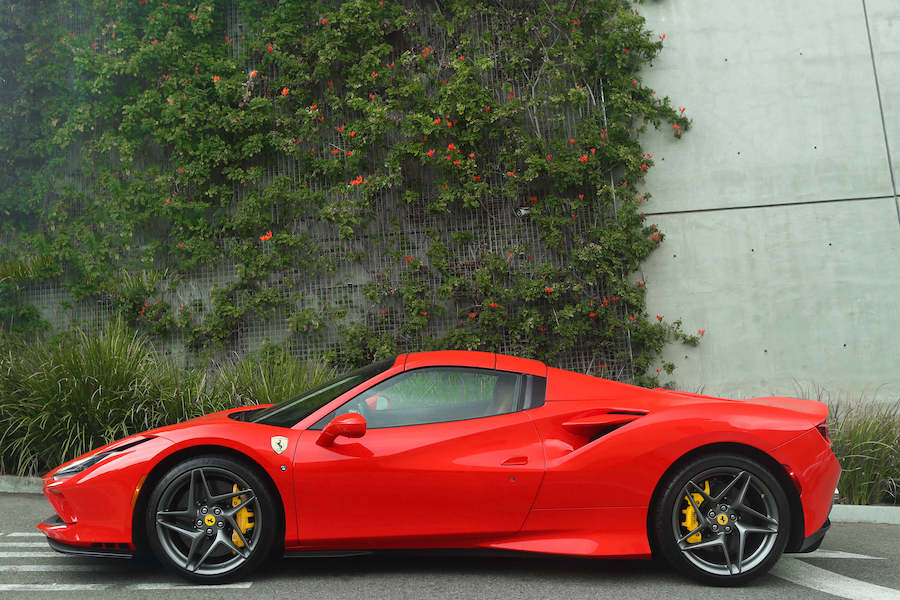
640 283
285 91
371 96
626 50
662 36
430 152
462 58
659 317
374 74
548 290
324 21
533 199
180 170
643 166
512 94
574 216
330 84
424 313
340 127
352 134
583 159
576 22
542 329
655 237
593 150
675 126
180 245
510 173
349 152
253 73
216 78
682 109
549 157
408 259
450 146
456 162
472 315
477 178
471 155
192 16
335 151
269 47
592 315
701 331
581 196
437 120
165 76
571 140
633 82
267 236
493 305
487 109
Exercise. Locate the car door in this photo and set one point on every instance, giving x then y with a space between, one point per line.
447 455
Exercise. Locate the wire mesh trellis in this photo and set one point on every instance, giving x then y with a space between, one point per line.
499 226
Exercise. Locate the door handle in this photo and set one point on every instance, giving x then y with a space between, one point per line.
515 460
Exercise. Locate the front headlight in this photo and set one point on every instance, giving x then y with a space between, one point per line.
89 461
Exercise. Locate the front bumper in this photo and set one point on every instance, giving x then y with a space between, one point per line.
96 549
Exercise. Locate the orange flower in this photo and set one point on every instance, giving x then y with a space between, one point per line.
477 178
216 78
493 305
253 73
267 236
472 315
371 96
510 173
374 74
450 146
408 259
581 196
324 21
701 331
592 315
456 162
437 120
659 317
285 91
583 159
471 155
269 47
548 290
340 127
655 237
352 134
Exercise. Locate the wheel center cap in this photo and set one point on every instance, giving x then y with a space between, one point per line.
211 520
722 519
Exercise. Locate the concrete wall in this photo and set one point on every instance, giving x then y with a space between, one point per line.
780 205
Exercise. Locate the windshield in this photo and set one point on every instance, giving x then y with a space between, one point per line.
291 412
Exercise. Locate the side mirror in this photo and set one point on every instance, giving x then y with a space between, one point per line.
352 425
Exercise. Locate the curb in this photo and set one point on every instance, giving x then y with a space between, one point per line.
11 484
853 513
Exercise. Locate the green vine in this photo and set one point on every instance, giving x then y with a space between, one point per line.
124 143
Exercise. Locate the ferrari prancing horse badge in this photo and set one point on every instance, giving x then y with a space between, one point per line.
279 444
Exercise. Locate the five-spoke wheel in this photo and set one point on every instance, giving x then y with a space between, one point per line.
723 519
211 519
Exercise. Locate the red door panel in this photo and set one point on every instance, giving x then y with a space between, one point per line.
433 482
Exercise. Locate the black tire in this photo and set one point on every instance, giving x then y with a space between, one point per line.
756 515
196 529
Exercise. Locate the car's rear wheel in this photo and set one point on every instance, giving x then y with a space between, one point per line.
723 519
211 519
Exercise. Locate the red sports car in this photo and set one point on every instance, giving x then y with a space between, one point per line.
461 450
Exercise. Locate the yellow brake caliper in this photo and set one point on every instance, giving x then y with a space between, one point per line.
242 518
690 515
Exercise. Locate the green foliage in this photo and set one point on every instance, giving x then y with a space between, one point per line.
62 396
160 115
866 440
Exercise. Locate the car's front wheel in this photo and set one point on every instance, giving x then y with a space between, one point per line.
211 519
723 519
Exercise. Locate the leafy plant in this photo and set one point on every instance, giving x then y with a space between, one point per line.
866 441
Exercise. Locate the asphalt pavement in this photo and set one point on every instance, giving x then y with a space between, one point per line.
857 561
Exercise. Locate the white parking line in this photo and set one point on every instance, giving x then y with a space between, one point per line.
52 587
24 545
807 575
29 554
48 568
76 587
25 534
833 554
174 586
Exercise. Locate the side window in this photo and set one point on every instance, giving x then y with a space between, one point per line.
434 395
